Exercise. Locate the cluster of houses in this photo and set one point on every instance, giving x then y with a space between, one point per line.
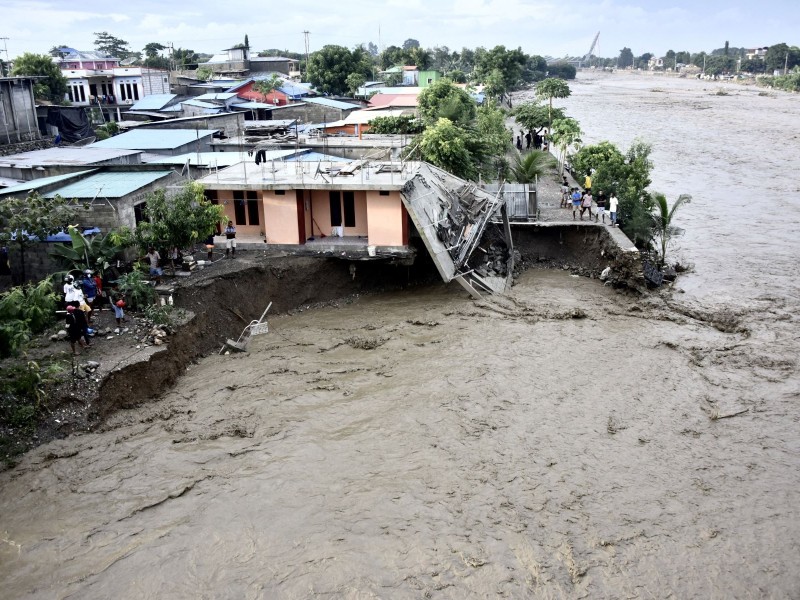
290 167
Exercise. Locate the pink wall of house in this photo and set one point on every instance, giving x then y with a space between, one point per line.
247 92
385 215
321 209
225 197
280 217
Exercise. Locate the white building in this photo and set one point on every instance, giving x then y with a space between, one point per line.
96 78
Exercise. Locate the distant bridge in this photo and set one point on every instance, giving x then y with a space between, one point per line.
576 61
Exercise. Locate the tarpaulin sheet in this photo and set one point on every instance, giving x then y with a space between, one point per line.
72 123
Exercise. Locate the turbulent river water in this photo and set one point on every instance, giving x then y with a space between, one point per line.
564 441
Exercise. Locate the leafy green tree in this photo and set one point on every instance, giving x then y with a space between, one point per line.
184 58
643 62
204 74
491 139
267 86
532 115
625 58
527 168
457 76
445 145
509 63
179 220
443 99
535 69
627 175
562 70
565 133
57 51
753 65
329 68
392 56
420 58
494 85
25 310
683 57
780 55
24 223
355 81
53 87
410 43
402 124
662 220
552 88
111 45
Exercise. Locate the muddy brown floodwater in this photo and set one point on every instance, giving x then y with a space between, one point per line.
564 441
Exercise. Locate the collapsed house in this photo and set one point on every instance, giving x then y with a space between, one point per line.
366 210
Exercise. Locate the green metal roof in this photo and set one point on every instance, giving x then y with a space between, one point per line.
109 185
154 139
35 184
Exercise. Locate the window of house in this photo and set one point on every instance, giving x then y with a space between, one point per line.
336 209
349 209
138 212
239 208
383 193
280 192
135 91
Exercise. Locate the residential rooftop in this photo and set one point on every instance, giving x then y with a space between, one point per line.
108 185
154 102
247 175
154 139
67 155
36 184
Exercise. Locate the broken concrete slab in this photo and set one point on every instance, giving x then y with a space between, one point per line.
451 215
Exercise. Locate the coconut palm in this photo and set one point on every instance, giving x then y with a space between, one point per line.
662 220
531 166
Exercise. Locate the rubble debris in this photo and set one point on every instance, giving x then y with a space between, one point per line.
452 216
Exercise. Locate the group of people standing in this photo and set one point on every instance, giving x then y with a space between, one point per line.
584 201
533 138
81 298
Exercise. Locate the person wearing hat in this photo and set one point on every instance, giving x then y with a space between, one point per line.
76 328
89 287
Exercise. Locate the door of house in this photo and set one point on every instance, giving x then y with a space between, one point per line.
343 209
301 216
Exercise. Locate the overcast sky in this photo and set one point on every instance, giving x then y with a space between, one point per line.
545 27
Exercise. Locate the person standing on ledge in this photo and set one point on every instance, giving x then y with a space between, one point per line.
230 240
601 207
613 202
587 182
586 204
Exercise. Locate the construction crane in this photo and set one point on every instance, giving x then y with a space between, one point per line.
588 55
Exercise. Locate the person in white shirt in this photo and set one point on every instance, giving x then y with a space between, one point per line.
613 202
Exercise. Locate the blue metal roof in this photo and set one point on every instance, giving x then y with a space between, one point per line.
216 96
114 184
35 184
294 91
154 139
200 104
332 103
154 102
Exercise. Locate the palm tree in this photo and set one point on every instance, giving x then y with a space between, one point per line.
662 220
530 167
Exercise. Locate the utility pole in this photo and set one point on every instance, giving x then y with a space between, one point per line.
305 35
5 48
785 62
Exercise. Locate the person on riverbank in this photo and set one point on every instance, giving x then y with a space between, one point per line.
76 324
155 271
612 209
89 287
519 144
117 301
586 204
576 202
230 240
587 182
600 201
528 139
565 193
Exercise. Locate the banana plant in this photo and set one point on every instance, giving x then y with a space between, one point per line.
93 252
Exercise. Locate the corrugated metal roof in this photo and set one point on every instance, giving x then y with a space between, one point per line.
312 156
35 184
332 103
294 91
154 102
216 96
199 104
203 159
154 139
271 59
64 155
252 105
109 185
